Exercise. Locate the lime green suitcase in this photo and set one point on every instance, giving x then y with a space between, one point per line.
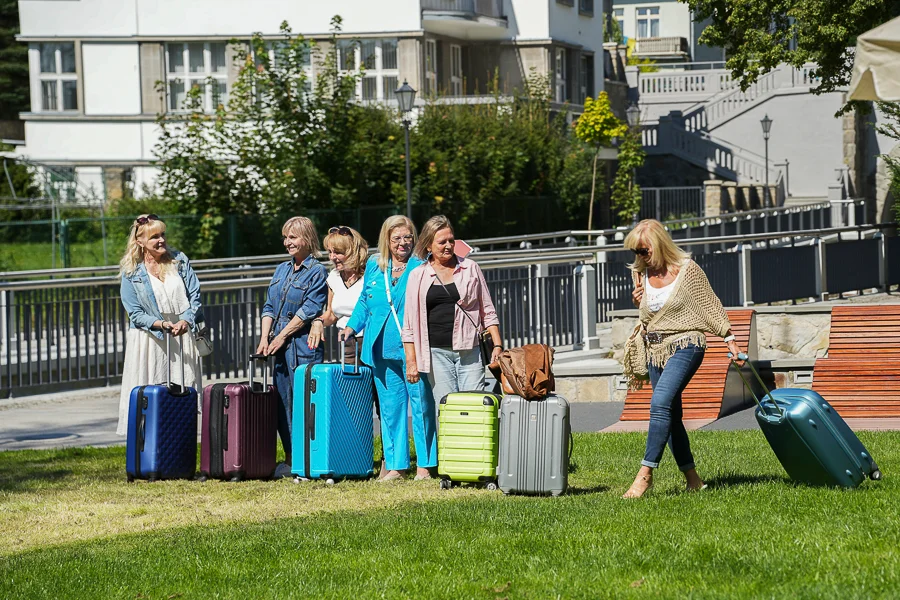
468 438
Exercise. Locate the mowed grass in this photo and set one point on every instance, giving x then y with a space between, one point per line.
71 527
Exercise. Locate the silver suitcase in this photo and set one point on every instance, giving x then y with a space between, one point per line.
534 446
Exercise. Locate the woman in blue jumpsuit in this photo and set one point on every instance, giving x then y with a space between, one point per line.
297 295
380 313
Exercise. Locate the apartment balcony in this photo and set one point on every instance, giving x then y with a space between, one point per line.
666 49
465 19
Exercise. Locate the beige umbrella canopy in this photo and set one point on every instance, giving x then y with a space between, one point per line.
876 66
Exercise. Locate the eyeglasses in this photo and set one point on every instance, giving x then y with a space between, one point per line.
145 220
397 239
641 251
342 230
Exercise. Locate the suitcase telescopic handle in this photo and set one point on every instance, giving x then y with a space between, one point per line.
265 370
355 357
167 332
747 362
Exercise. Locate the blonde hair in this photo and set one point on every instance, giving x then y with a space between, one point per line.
429 230
666 252
353 246
305 230
134 252
384 238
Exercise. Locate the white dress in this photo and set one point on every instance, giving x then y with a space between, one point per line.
345 298
145 355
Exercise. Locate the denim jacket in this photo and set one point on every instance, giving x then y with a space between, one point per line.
140 302
304 294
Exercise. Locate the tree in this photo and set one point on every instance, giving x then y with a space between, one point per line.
596 127
14 91
626 194
759 35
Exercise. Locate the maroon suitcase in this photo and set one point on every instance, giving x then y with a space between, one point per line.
238 428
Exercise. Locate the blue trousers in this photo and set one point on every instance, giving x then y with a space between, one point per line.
394 392
666 425
284 385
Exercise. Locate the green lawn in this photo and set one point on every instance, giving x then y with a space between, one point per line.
71 527
28 256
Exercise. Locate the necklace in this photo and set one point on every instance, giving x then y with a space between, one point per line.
402 267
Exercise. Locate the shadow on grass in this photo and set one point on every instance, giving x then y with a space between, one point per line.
23 480
732 480
579 491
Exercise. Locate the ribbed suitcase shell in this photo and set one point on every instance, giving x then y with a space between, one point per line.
814 444
238 432
332 424
468 436
162 433
534 446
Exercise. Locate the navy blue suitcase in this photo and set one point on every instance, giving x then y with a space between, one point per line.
162 430
332 425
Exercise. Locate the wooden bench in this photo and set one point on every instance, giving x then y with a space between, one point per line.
860 377
705 397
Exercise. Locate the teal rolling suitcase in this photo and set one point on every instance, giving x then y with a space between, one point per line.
468 438
332 422
811 440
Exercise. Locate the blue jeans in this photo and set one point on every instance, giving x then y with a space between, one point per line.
286 361
665 408
455 371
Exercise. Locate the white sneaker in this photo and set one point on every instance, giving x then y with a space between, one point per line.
281 471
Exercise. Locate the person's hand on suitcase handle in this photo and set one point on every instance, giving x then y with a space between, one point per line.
734 351
175 329
345 334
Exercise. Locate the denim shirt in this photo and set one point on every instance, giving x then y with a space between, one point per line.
302 293
373 313
140 302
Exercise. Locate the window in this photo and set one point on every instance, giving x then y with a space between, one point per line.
648 22
456 73
431 67
560 75
60 183
619 15
58 79
278 54
377 59
586 77
586 7
196 65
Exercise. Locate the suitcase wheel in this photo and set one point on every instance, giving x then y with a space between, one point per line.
876 475
236 479
151 480
202 477
491 486
298 479
130 478
446 484
329 481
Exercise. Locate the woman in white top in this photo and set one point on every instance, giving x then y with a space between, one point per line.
160 292
348 252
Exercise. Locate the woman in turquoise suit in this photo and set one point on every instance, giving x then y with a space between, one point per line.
380 313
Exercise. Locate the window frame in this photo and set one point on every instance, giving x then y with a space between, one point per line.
649 19
560 87
57 77
431 74
456 70
187 78
376 78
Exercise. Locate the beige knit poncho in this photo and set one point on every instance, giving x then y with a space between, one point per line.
691 310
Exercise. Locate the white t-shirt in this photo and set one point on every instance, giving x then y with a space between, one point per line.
657 297
345 298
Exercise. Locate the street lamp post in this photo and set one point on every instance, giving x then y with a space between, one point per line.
633 117
406 96
766 123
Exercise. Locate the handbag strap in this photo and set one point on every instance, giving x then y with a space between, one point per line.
387 289
471 320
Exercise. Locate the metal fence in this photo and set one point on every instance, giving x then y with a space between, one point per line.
669 203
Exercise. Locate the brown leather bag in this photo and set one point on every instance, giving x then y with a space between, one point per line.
526 371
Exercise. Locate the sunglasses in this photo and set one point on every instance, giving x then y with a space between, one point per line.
145 220
641 251
342 230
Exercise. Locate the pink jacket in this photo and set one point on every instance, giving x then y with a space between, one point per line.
474 297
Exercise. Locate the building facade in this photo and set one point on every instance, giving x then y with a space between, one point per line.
663 31
101 71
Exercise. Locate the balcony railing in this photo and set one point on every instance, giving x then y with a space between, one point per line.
484 8
661 46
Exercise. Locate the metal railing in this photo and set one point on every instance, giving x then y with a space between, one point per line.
667 203
487 8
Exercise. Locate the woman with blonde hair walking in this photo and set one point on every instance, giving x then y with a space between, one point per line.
296 295
677 309
380 312
160 293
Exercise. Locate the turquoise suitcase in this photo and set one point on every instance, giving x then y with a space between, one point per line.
332 422
468 438
811 440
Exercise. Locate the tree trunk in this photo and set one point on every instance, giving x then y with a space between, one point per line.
593 186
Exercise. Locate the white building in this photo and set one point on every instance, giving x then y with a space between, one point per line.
95 64
663 31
